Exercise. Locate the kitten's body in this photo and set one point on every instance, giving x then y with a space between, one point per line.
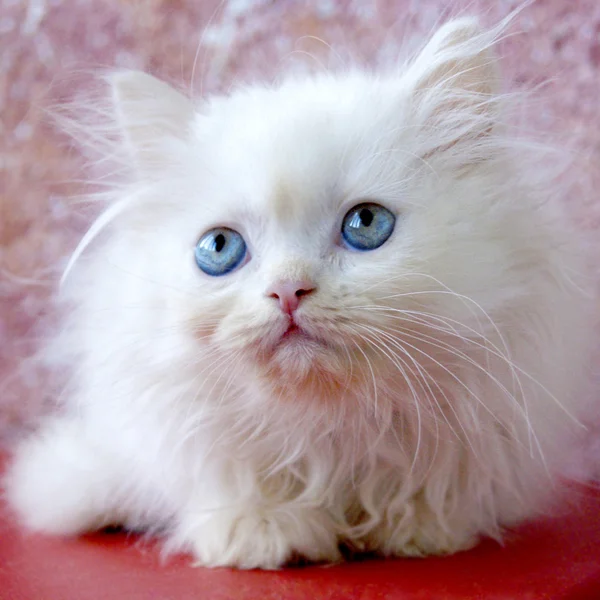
435 380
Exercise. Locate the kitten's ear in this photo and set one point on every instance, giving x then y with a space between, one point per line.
456 80
150 114
459 57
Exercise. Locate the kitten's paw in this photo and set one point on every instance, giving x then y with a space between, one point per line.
426 542
419 534
259 539
57 483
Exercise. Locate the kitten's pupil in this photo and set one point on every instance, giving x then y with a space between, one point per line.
219 242
366 217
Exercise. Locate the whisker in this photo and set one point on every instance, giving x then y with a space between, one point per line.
382 347
455 352
448 402
495 351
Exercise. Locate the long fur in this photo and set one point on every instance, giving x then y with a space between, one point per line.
445 374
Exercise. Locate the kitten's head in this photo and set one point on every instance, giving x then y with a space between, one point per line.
304 229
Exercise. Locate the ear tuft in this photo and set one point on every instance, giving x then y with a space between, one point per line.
149 113
455 82
459 57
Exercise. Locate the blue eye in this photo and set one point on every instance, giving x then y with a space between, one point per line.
367 226
220 251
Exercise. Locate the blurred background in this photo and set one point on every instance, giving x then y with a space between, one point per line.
49 49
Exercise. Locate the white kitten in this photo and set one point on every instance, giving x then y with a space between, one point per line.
330 312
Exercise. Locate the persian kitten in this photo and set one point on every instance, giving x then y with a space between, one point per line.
334 312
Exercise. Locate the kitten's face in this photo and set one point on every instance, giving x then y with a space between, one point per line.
259 223
286 172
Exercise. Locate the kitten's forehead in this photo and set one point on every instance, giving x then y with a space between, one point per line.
302 176
295 144
303 160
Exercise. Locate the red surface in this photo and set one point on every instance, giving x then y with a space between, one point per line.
553 559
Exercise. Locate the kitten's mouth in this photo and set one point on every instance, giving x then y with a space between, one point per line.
296 335
298 338
293 332
305 339
298 351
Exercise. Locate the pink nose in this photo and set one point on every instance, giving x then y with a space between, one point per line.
289 293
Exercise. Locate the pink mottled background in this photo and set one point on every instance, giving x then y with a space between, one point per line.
48 46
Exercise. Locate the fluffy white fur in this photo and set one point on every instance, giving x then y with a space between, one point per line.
442 377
